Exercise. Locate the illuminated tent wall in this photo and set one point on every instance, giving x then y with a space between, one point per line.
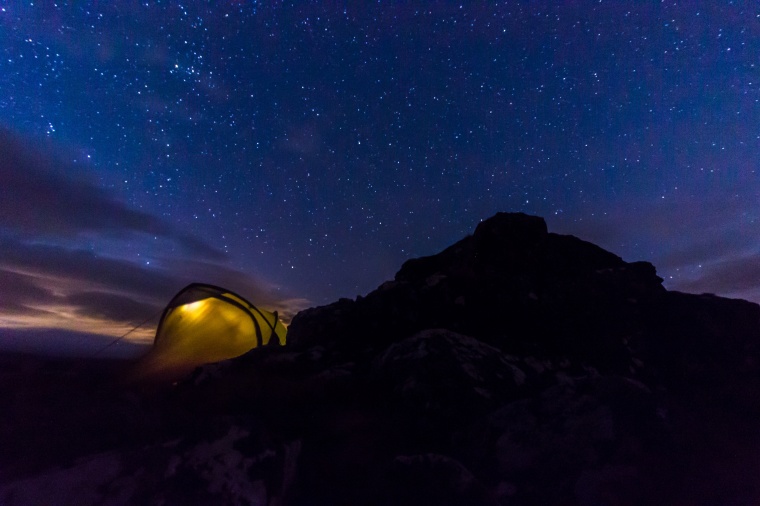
206 323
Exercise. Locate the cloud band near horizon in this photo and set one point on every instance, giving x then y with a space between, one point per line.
74 257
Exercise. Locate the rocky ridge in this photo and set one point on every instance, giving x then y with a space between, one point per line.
516 367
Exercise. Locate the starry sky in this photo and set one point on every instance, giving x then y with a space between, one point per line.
300 153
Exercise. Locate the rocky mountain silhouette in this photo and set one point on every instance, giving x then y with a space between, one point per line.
516 367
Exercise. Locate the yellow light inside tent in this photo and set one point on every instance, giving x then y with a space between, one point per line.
218 327
193 306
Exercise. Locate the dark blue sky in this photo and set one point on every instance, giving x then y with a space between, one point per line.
300 154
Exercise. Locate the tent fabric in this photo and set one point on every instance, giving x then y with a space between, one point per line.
206 323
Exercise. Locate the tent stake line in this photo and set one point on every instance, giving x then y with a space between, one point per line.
104 348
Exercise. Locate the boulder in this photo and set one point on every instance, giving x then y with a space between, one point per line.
445 376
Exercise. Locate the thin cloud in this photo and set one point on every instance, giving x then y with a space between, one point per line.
112 289
47 280
706 244
39 196
74 265
17 289
728 243
114 307
735 276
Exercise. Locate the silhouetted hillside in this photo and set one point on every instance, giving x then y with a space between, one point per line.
516 367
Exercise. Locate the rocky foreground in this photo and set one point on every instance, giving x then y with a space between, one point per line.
516 367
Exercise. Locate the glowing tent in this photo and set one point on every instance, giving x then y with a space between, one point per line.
206 323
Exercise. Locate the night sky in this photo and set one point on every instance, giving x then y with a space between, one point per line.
301 154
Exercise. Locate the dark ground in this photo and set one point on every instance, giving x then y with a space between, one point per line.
517 367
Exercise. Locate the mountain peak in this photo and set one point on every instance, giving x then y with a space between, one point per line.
511 284
516 366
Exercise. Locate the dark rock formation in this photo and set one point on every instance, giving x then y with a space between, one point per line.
516 367
512 285
447 377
